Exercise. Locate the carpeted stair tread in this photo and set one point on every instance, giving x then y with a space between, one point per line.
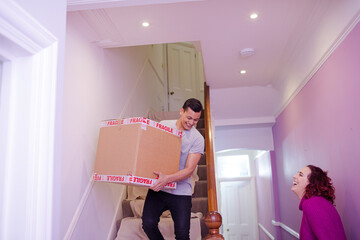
200 204
202 160
127 212
201 123
202 172
199 198
202 131
204 228
200 189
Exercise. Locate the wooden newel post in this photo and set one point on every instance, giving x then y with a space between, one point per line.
213 221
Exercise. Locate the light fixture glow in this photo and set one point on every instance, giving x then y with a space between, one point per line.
243 71
145 24
254 16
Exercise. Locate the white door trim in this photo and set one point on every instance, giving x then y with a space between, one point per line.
27 101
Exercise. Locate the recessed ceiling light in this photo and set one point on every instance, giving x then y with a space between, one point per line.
243 71
145 24
254 15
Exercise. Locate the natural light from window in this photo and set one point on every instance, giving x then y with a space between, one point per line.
0 79
233 166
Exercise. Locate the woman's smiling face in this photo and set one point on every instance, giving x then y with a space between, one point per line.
300 181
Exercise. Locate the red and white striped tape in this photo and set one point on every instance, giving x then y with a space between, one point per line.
130 179
144 121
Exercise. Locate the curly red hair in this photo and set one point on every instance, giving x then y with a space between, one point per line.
319 184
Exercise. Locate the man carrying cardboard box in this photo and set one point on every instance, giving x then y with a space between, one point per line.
178 200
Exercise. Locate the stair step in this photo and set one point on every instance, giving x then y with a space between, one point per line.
204 228
200 189
201 123
199 198
202 160
127 212
202 131
202 172
200 204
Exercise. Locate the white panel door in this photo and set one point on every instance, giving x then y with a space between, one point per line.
181 75
238 210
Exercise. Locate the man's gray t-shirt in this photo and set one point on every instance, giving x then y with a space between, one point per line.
191 142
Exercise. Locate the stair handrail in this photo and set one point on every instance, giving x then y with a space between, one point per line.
213 218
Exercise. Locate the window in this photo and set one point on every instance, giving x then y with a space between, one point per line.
0 79
233 166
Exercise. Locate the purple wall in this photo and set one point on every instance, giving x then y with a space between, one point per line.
321 127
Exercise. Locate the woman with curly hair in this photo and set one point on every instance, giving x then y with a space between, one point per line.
320 219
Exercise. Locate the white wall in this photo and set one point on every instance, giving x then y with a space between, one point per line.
243 102
236 124
235 137
99 84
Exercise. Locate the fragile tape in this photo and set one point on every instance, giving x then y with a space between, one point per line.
130 179
143 121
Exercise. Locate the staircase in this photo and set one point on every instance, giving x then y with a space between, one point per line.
200 196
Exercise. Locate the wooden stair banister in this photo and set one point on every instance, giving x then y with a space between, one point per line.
213 218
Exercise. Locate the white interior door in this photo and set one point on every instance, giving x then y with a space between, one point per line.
238 209
181 75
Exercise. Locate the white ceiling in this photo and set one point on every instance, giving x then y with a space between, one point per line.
291 38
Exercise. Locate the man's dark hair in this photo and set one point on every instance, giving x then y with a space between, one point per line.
194 104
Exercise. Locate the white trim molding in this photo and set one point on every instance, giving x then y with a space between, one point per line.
266 231
76 5
22 30
27 112
259 121
79 209
286 228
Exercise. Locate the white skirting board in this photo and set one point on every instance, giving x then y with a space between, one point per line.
286 228
79 210
266 231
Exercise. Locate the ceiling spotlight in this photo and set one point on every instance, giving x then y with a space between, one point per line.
254 16
243 71
145 24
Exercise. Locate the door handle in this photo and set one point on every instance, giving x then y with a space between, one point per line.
171 93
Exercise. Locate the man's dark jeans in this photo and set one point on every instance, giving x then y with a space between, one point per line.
158 202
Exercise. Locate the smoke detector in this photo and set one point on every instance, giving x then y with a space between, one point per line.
247 52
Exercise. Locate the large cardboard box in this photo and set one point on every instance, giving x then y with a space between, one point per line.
130 150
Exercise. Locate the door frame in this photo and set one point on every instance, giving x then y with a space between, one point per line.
27 101
251 178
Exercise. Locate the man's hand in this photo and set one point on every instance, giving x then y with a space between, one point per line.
160 182
191 162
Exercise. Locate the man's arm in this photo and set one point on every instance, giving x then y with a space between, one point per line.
191 162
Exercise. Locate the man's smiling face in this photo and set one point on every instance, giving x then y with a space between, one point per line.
188 119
